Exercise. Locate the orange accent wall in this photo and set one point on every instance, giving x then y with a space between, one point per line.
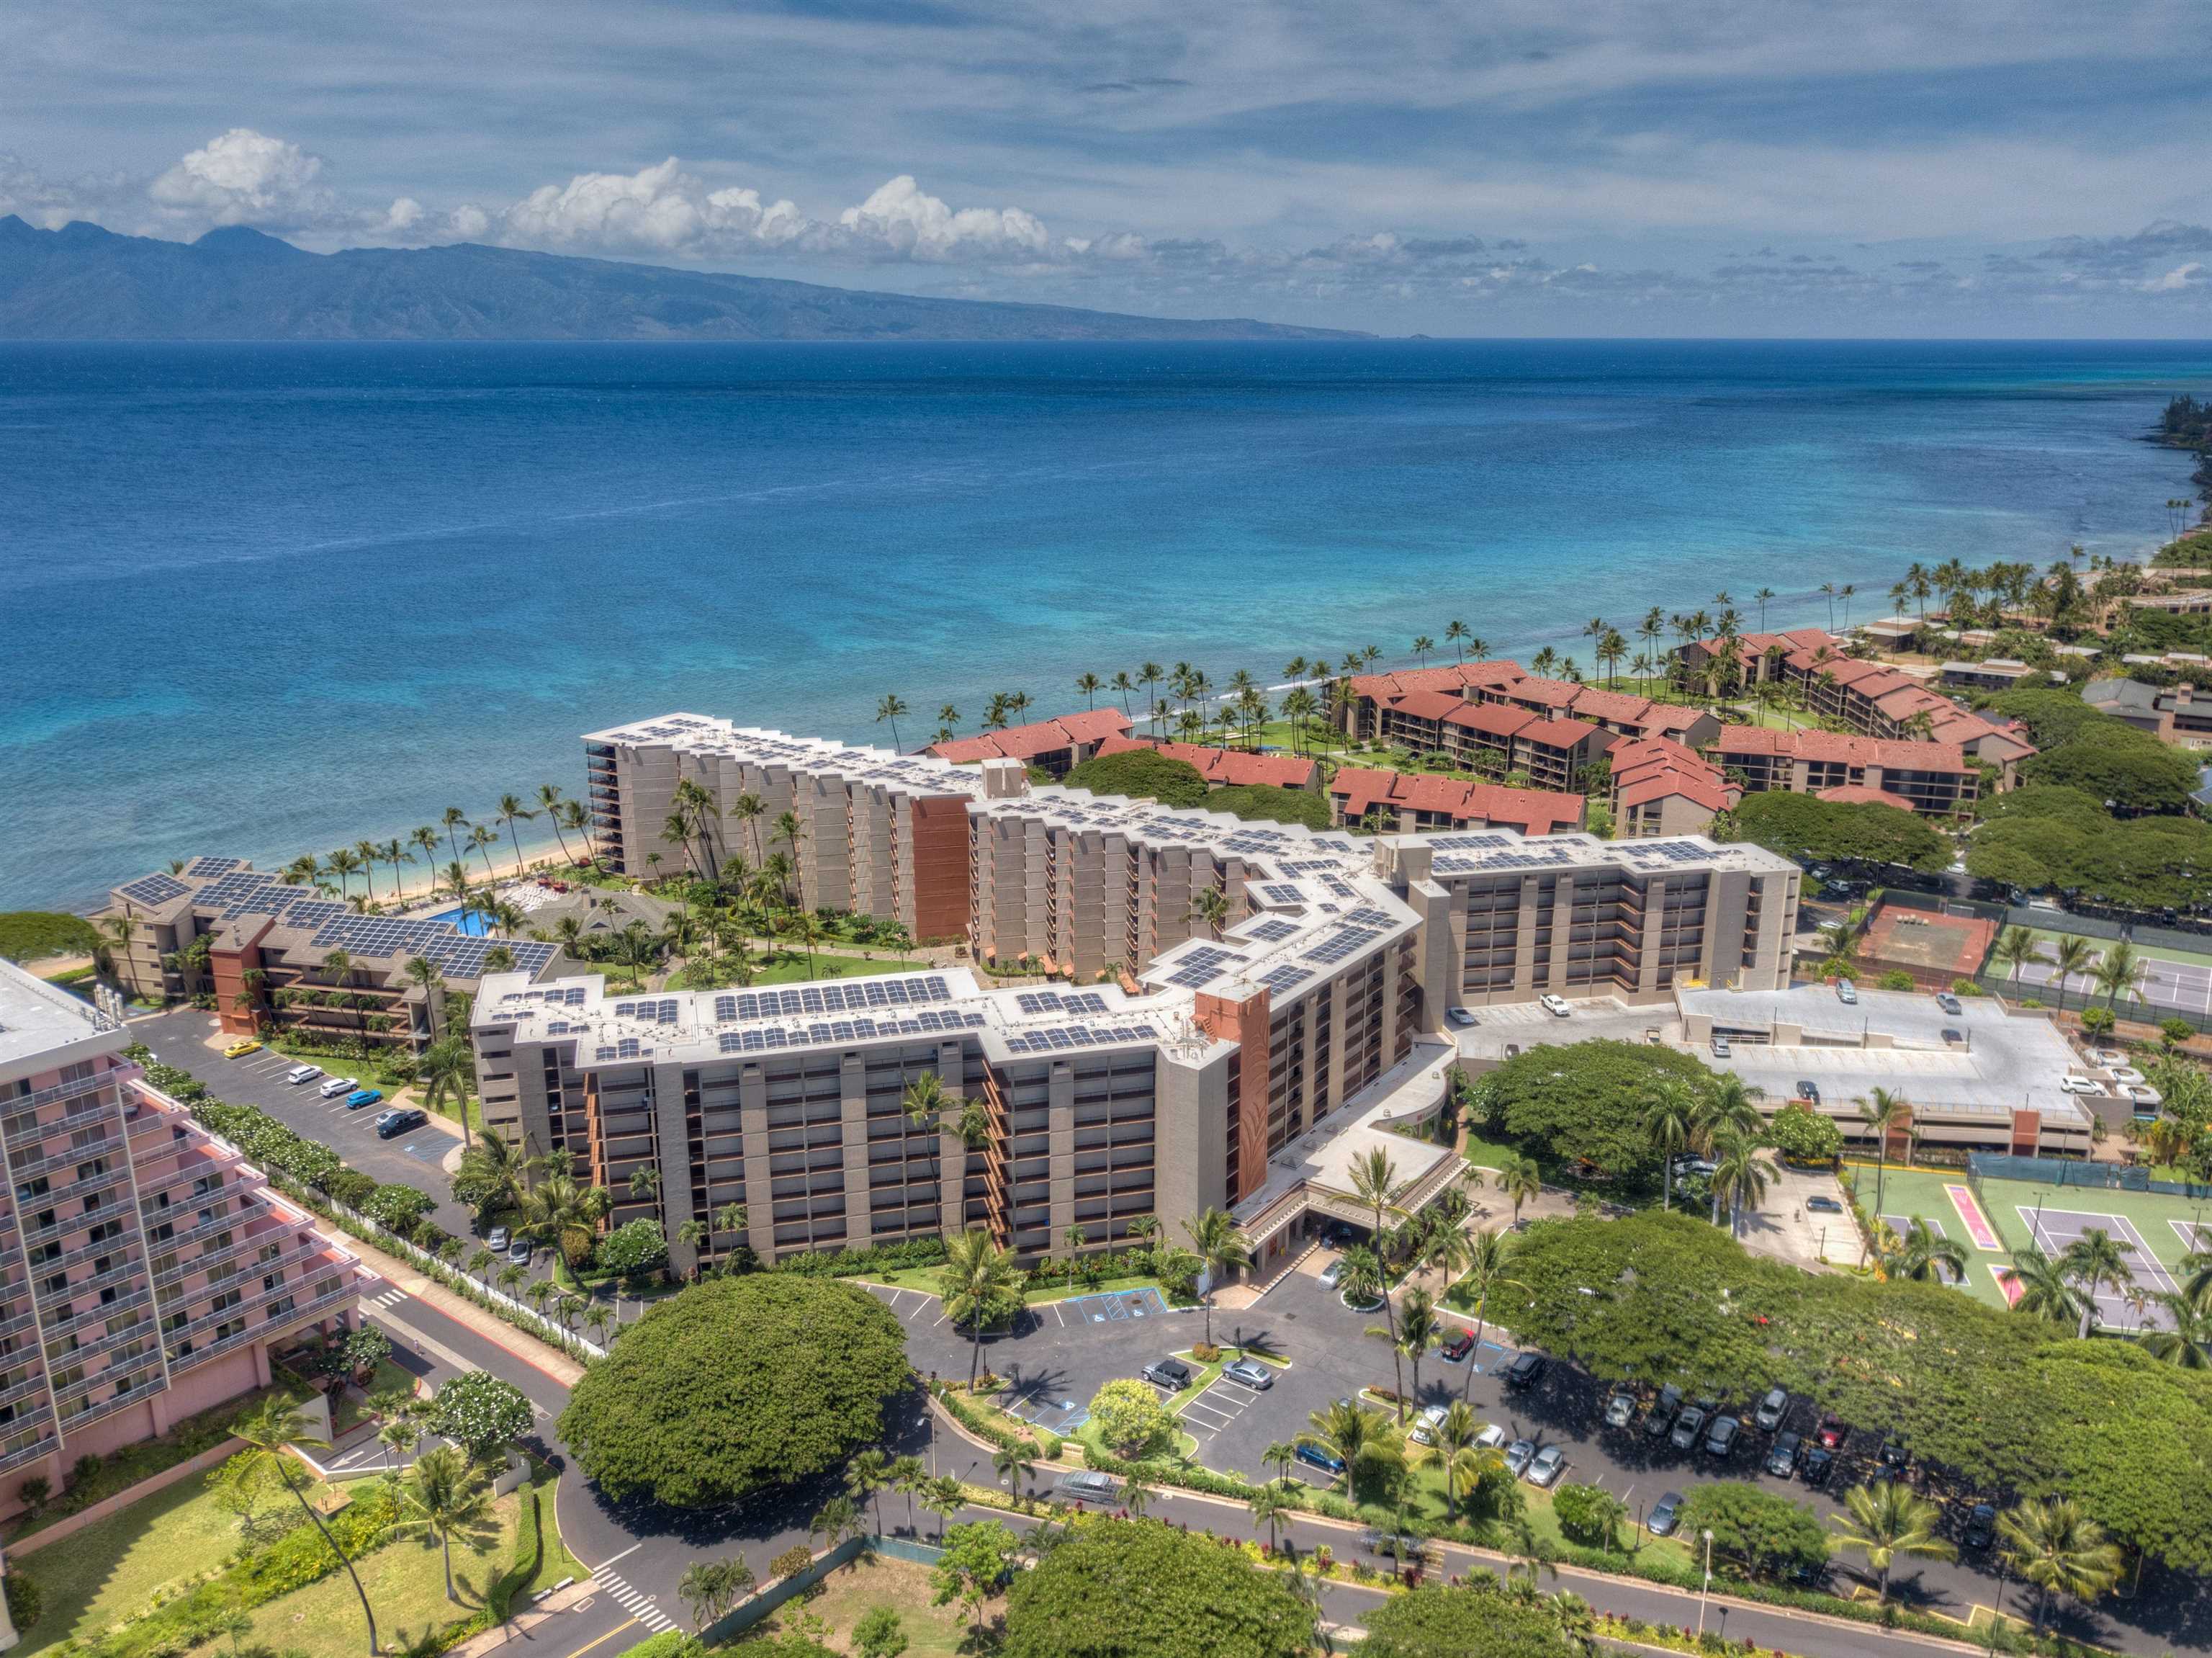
1244 1023
940 868
228 969
2026 1133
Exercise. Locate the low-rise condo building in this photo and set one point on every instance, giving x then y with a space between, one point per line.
1228 768
1933 779
1200 1039
147 1271
1410 801
271 953
1057 746
1659 788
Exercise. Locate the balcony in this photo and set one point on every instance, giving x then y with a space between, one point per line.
44 1445
290 1258
71 1089
302 1314
106 1145
138 1365
67 1123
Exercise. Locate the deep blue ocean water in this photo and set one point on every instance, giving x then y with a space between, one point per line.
259 600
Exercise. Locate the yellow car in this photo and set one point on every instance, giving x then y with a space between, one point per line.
240 1049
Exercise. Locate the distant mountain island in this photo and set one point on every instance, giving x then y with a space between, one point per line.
83 283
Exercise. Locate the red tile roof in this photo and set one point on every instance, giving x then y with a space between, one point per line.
1474 805
1226 767
1595 705
1497 719
1843 749
1427 704
1556 734
1452 677
1023 742
1859 795
1543 693
1653 768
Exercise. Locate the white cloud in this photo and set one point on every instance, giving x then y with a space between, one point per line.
905 222
2174 281
245 177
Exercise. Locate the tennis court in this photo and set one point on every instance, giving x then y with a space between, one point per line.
1901 1224
2055 1230
2169 980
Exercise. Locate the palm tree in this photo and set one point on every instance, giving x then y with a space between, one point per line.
2069 959
559 1212
867 1475
1270 1505
2017 948
907 1475
1089 684
981 1285
2059 1549
1374 1182
1520 1179
889 709
1216 1241
267 1429
833 1521
2189 1344
422 972
1739 1176
1011 1463
1211 906
1418 1330
2118 970
447 1498
1885 1520
1355 1434
944 1496
711 1587
2096 1260
1452 1448
1489 1255
498 1169
1670 1115
2039 1288
482 840
1922 1255
1279 1455
1422 646
1883 1111
446 1072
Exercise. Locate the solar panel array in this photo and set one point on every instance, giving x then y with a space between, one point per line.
1281 893
1366 915
153 889
1273 930
1054 1002
1201 965
1061 1038
911 991
1341 942
1284 977
1471 843
1673 851
211 868
663 1012
762 1039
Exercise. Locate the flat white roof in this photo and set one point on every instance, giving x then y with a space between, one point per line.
37 1019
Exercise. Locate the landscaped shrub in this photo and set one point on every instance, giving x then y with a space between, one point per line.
24 1598
791 1562
1130 1417
845 1263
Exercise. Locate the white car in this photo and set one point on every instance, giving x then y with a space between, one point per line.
2078 1085
300 1074
1557 1006
1333 1274
1461 1017
1490 1437
1425 1425
338 1085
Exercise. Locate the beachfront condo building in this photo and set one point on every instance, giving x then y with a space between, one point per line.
1182 1060
272 954
147 1271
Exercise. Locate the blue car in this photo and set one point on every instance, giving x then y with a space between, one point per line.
360 1097
1317 1456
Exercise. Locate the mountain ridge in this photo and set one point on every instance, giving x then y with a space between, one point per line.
83 281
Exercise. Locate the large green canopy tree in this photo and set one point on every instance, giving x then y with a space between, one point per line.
1588 1103
1139 1588
736 1385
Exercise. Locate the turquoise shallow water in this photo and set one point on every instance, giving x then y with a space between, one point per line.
255 599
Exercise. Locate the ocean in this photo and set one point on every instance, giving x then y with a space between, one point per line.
257 599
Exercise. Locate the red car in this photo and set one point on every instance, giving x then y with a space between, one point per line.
1832 1432
1460 1346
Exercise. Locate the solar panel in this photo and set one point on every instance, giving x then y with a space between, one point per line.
1281 893
212 867
1273 929
153 889
1342 942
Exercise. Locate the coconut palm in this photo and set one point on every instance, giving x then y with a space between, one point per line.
1520 1179
267 1429
1883 1111
1012 1462
499 1169
2096 1260
2059 1549
445 1073
1884 1520
1356 1434
1418 1330
981 1285
2069 959
2118 970
1670 1115
890 708
1923 1255
711 1587
1452 1448
1270 1506
2039 1289
2017 948
446 1497
1489 1255
2189 1344
1739 1176
1211 906
1279 1455
1216 1241
559 1212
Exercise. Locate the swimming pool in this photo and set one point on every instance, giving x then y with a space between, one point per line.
474 922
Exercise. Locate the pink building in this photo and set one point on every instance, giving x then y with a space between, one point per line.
146 1272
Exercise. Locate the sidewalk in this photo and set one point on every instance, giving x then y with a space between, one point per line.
410 1278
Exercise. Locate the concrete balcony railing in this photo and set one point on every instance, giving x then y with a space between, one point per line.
320 1306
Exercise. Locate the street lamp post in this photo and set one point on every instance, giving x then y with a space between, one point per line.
1707 1590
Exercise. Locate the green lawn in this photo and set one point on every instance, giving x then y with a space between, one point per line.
794 968
848 1594
110 1570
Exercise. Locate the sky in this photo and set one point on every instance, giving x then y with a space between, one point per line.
1753 167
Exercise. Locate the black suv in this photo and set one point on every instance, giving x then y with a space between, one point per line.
1525 1370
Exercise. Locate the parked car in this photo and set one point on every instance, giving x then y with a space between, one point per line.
1949 1003
1424 1430
2079 1085
1816 1465
300 1074
1663 1412
1660 1522
360 1097
1721 1049
1525 1371
1720 1438
1620 1409
1771 1409
1847 993
1550 1463
1249 1373
1823 1205
1394 1546
1809 1091
1981 1527
1557 1006
519 1252
338 1085
1688 1426
403 1119
1518 1455
1333 1274
1893 1459
1462 1017
1832 1432
1456 1350
497 1240
1490 1437
1781 1455
1320 1457
1088 1485
1172 1376
1953 1035
240 1049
